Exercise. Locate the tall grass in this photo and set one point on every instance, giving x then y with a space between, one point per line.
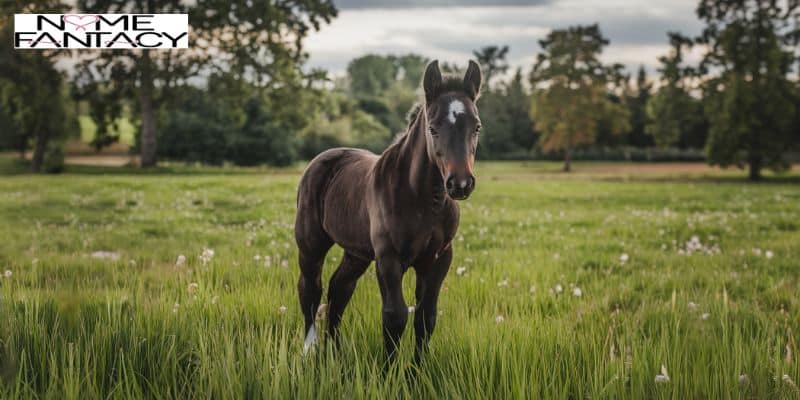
130 323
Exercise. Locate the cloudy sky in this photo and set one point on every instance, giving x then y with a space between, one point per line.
451 29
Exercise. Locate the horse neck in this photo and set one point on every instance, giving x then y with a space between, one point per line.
424 177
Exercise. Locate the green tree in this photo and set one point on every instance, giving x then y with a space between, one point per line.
570 98
748 98
492 60
672 112
636 101
32 95
255 40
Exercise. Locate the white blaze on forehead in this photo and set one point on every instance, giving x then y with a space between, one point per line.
456 107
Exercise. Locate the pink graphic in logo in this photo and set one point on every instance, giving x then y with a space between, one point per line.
80 20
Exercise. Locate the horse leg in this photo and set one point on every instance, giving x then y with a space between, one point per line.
309 286
340 290
395 312
429 282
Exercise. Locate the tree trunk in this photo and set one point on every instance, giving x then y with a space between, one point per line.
148 134
755 168
568 160
38 152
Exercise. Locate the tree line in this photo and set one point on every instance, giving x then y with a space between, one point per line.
243 96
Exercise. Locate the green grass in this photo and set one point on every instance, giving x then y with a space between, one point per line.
75 326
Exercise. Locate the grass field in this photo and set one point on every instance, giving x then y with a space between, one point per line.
579 286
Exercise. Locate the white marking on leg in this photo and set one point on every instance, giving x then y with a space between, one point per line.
311 339
455 108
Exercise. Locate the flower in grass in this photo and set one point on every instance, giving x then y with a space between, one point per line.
282 309
769 254
499 319
175 307
577 292
663 377
206 255
788 380
8 273
180 261
214 299
502 283
705 316
692 306
193 287
744 379
559 288
624 258
460 271
532 290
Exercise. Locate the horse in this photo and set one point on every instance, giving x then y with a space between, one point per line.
398 209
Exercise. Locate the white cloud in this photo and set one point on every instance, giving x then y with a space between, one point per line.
637 30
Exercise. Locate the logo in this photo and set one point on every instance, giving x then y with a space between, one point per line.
101 31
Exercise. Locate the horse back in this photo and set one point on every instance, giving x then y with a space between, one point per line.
331 199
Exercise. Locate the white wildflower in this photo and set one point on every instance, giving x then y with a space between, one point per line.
705 316
106 255
692 306
282 309
744 379
193 287
577 292
559 288
769 254
532 290
175 307
206 255
624 258
180 261
460 271
7 274
502 283
498 319
663 377
214 299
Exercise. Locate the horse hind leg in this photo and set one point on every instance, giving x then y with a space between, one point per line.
309 286
341 288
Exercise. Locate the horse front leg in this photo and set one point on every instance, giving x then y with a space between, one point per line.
429 283
395 312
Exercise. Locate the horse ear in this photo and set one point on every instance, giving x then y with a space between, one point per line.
432 81
472 80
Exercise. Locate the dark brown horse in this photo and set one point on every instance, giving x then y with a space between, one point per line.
397 209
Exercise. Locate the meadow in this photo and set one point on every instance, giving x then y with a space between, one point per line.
590 285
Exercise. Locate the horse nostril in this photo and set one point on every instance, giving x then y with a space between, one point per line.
450 183
470 183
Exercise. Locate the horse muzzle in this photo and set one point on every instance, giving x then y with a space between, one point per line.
459 188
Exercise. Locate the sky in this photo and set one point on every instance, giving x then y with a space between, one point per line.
449 30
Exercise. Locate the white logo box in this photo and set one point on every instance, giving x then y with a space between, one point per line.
101 31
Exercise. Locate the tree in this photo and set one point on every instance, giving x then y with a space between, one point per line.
571 95
675 117
32 95
748 99
256 40
636 102
492 60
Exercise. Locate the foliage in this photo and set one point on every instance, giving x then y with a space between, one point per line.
676 118
748 98
268 52
34 108
571 95
492 60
